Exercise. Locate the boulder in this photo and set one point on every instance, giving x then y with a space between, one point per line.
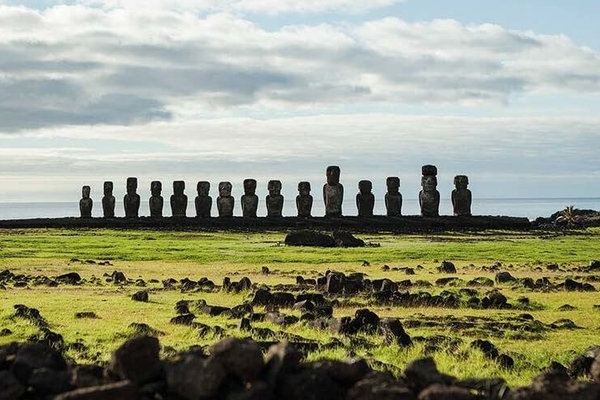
309 238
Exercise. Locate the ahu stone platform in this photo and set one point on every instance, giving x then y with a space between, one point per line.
403 224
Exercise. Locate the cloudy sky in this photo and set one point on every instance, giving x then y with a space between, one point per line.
93 90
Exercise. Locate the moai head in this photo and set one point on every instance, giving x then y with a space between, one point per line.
429 170
178 187
365 187
393 184
132 185
203 188
274 188
461 181
156 188
85 192
304 188
333 175
249 186
429 178
108 188
225 189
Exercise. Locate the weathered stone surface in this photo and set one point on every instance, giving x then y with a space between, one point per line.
178 199
137 360
262 297
309 384
87 375
429 197
423 373
304 200
50 381
274 199
108 200
240 357
309 238
249 199
192 377
333 192
142 296
32 356
443 392
393 332
346 239
365 200
10 387
447 267
124 390
225 201
203 202
380 386
504 277
86 203
393 198
461 197
156 201
131 201
71 278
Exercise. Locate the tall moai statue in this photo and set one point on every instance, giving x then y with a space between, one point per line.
156 201
225 201
131 201
461 197
304 200
178 199
203 201
365 200
333 192
249 199
86 203
274 199
393 198
108 201
429 197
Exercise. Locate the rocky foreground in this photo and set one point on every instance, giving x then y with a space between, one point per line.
237 369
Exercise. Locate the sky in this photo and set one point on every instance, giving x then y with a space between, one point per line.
506 92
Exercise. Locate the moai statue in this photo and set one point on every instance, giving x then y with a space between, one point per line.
131 201
108 201
225 201
156 200
461 197
429 197
304 200
393 198
203 201
86 203
365 200
178 199
274 199
333 192
249 199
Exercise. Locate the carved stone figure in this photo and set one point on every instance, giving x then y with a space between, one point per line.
178 199
86 203
131 201
333 192
108 201
225 201
203 201
156 201
249 199
304 200
274 199
393 198
429 197
365 200
461 197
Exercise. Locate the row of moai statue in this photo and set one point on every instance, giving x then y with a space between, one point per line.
333 195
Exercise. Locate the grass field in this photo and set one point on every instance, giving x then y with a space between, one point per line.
158 255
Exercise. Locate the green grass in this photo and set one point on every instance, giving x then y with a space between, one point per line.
159 255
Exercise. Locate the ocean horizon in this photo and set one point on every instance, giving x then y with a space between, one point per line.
531 208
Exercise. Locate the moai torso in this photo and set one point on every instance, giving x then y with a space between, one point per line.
249 199
156 201
225 201
393 198
461 197
131 201
333 192
274 199
108 201
86 203
429 197
203 201
304 200
365 200
178 199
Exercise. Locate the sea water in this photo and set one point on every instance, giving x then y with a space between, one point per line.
524 207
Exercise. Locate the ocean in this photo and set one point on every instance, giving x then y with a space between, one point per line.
530 208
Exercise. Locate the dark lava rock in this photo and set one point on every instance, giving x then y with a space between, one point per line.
309 384
123 390
443 392
240 357
580 366
281 358
497 299
380 386
487 347
137 360
335 282
505 361
346 239
118 277
262 297
447 267
393 332
49 381
10 387
185 319
87 375
366 320
566 307
85 314
193 377
32 356
594 265
309 238
71 278
504 277
423 373
5 332
142 296
283 299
